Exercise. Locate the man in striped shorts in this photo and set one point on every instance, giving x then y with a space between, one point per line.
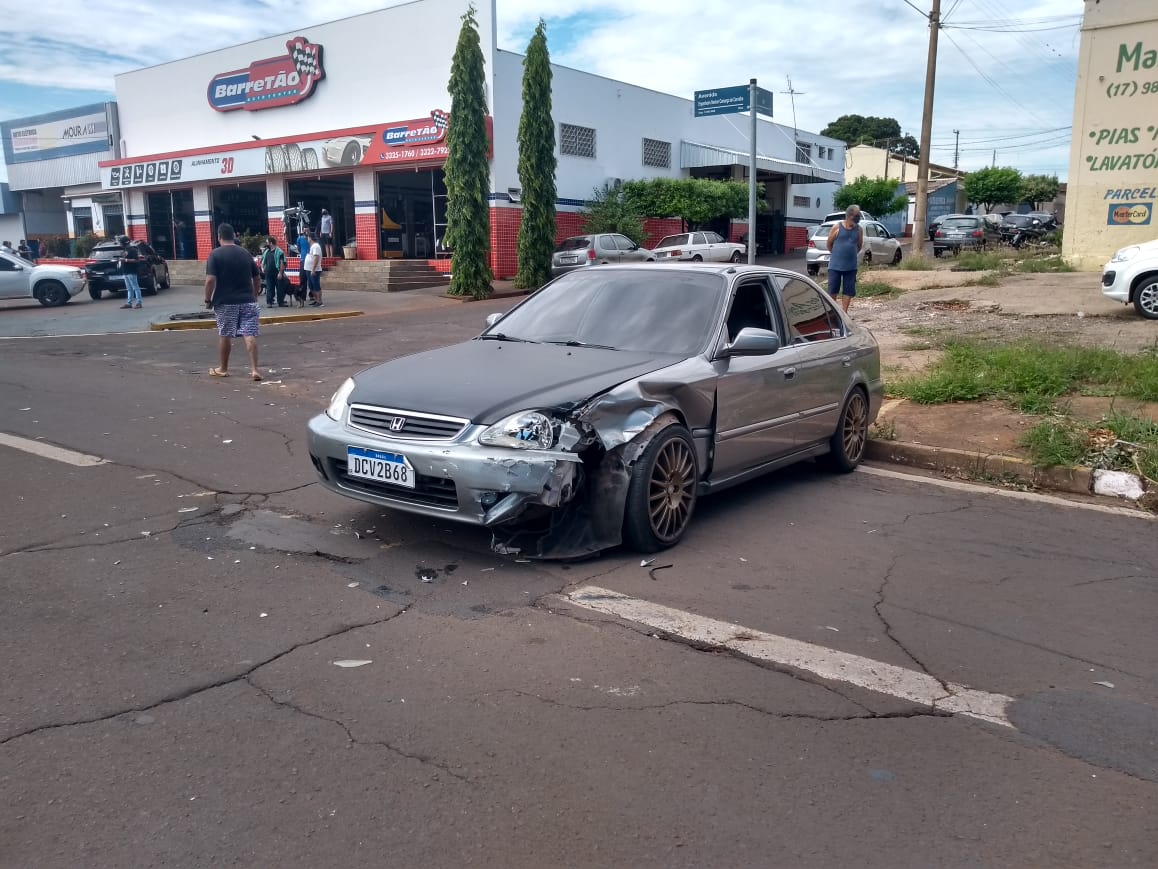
232 288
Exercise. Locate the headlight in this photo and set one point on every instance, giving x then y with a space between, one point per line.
1126 253
337 408
529 430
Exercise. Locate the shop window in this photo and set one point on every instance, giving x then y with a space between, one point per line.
802 201
575 141
657 153
803 152
82 221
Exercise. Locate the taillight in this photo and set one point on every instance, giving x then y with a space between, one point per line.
591 254
940 234
977 233
811 243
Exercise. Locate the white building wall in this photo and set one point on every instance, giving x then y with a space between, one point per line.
622 115
382 66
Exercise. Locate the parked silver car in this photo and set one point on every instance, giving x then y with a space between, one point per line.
880 246
600 408
49 285
601 249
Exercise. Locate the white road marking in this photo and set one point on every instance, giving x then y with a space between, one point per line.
78 335
826 663
48 451
977 489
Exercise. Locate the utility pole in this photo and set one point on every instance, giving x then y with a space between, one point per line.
994 158
888 154
956 146
920 220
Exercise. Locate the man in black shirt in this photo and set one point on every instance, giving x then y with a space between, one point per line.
232 287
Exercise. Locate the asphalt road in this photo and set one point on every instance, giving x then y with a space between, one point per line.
171 619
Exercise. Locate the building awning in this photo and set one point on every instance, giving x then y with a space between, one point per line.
694 155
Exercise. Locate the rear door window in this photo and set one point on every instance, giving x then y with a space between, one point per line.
572 244
811 316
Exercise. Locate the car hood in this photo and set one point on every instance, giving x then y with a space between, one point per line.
484 381
62 272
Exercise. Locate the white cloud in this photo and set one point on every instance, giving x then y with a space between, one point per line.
855 56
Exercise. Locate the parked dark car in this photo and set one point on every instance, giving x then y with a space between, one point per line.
103 269
964 232
1014 224
599 409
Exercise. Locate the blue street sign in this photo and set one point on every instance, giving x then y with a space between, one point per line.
722 101
763 102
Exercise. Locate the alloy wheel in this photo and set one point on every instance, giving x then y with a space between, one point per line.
855 434
1147 300
671 490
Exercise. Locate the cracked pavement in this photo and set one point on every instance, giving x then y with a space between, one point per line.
172 697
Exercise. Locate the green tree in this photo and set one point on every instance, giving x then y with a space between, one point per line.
877 196
536 166
467 171
608 210
880 132
694 200
988 187
1038 189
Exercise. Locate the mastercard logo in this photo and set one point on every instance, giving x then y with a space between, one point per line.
1132 213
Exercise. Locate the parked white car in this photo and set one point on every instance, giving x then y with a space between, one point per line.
1131 277
697 247
880 246
49 285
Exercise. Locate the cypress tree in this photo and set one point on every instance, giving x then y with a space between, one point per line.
467 171
536 166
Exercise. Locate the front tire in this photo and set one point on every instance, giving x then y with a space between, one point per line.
1146 299
736 257
52 294
165 284
897 257
849 441
94 293
661 496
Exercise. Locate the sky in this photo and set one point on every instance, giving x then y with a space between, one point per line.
1005 72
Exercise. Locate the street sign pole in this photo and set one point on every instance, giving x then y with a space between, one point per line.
752 174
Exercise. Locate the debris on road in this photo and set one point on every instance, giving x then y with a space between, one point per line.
1105 684
351 663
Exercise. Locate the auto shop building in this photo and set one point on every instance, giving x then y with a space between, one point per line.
261 134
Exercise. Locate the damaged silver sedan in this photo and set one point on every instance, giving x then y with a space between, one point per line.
599 409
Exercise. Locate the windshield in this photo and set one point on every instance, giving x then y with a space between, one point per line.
656 311
673 241
106 253
580 242
960 223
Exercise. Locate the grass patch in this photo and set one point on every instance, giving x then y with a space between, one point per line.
1119 442
917 345
916 264
980 261
884 431
1041 264
989 279
871 289
1030 376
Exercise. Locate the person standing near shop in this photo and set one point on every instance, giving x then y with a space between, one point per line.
273 270
844 243
131 271
326 228
303 250
232 288
313 265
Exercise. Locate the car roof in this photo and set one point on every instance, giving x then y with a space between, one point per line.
699 268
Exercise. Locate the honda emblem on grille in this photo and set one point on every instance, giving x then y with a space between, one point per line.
398 423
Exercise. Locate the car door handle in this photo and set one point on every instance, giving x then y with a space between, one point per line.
789 373
846 361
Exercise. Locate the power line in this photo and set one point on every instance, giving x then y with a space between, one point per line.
997 87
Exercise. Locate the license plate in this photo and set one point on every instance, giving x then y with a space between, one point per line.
394 469
956 235
568 260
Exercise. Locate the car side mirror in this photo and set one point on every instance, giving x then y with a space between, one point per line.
753 342
492 319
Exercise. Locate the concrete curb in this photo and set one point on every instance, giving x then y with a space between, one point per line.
1074 480
504 294
210 323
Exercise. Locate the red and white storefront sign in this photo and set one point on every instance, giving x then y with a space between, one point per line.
420 141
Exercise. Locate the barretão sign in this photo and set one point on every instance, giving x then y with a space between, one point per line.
270 83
